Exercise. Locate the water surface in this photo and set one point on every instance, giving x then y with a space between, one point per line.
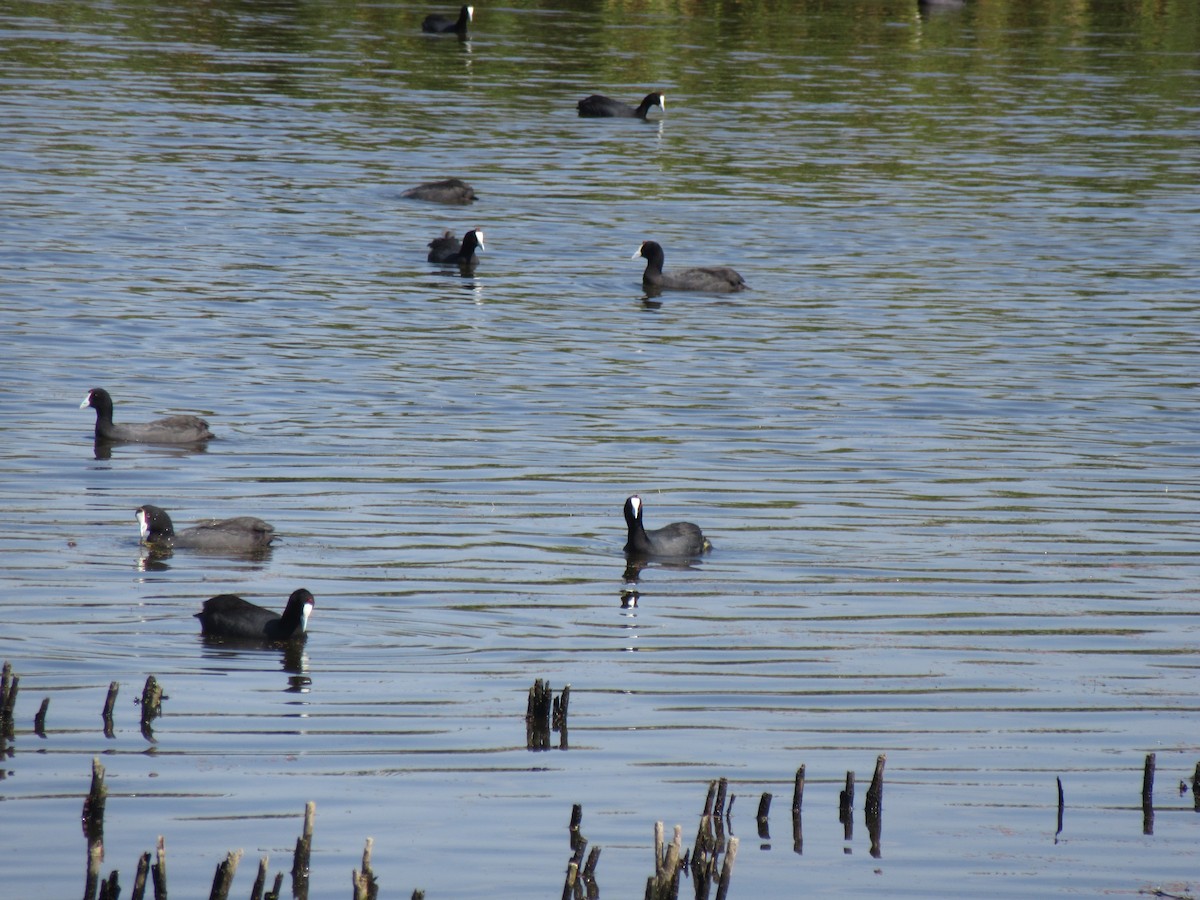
945 447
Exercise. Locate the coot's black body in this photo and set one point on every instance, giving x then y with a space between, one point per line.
450 191
243 534
170 430
448 250
598 106
679 540
709 279
436 24
231 617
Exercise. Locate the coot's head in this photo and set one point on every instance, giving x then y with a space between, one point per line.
651 251
154 523
656 98
633 510
473 239
99 399
304 602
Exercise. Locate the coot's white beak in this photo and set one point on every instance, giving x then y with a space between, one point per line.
637 254
86 401
143 523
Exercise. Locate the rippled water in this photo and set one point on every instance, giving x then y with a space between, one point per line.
945 447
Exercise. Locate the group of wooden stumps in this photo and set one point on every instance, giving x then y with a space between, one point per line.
709 862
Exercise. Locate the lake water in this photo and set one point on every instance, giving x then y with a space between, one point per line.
946 446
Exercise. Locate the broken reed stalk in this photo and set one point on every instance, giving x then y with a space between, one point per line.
719 809
764 807
561 703
260 880
763 816
223 878
846 807
573 828
39 719
93 828
152 697
9 685
303 852
1061 805
1196 787
109 702
139 881
1148 795
727 869
1148 780
798 792
158 871
110 888
874 801
365 885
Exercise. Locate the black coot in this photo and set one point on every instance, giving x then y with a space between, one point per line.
244 534
171 430
448 250
679 540
228 616
598 106
435 24
713 279
451 191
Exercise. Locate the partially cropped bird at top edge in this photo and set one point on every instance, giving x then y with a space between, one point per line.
449 191
169 430
597 106
449 250
232 618
679 540
710 279
438 24
243 534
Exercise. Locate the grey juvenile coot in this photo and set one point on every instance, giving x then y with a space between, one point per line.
448 249
171 430
229 616
241 534
451 191
598 106
713 279
679 540
435 24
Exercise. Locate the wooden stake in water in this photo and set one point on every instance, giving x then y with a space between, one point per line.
303 851
365 885
223 879
109 702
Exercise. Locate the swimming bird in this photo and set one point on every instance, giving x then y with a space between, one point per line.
436 24
447 249
679 540
170 430
598 106
451 191
229 616
711 279
243 534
